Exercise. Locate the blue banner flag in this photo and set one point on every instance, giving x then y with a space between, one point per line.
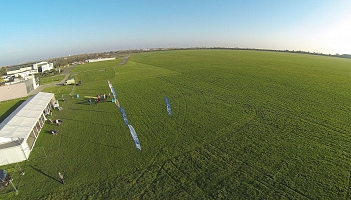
113 93
124 116
112 90
135 137
131 129
168 106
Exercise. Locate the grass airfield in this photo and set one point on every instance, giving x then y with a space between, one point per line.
244 125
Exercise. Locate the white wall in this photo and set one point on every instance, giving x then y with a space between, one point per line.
12 155
30 83
13 91
26 150
25 71
18 151
45 66
100 59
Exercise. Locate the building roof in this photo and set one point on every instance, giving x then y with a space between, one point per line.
19 124
17 67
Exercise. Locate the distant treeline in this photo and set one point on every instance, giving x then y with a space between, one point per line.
288 51
64 61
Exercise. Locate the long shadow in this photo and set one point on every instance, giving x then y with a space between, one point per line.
42 172
84 102
92 103
49 131
93 110
81 121
9 111
86 122
88 90
98 143
147 115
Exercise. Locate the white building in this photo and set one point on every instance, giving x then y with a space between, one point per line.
43 66
19 88
29 69
20 130
21 70
99 59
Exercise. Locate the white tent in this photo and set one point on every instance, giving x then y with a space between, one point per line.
19 131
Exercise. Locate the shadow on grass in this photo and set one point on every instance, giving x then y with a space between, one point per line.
86 102
9 111
117 111
50 132
42 172
92 142
86 122
147 115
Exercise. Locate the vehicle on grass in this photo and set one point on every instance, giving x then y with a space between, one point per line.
70 81
73 81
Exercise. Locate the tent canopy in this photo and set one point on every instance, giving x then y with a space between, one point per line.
20 122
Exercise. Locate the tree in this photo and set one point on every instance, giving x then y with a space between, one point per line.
3 71
56 64
63 62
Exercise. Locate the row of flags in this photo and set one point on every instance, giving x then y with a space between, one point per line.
124 115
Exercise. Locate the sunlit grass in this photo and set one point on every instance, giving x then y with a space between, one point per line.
244 124
51 79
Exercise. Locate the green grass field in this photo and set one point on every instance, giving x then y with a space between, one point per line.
51 79
6 107
244 125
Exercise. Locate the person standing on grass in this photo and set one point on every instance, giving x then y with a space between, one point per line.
61 178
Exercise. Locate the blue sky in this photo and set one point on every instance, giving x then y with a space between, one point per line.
41 29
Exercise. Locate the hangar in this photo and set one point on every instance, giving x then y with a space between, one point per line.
20 130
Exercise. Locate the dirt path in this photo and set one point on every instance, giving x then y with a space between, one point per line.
124 61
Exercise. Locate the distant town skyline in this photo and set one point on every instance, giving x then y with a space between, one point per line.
39 30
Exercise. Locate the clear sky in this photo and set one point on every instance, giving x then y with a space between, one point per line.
42 29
